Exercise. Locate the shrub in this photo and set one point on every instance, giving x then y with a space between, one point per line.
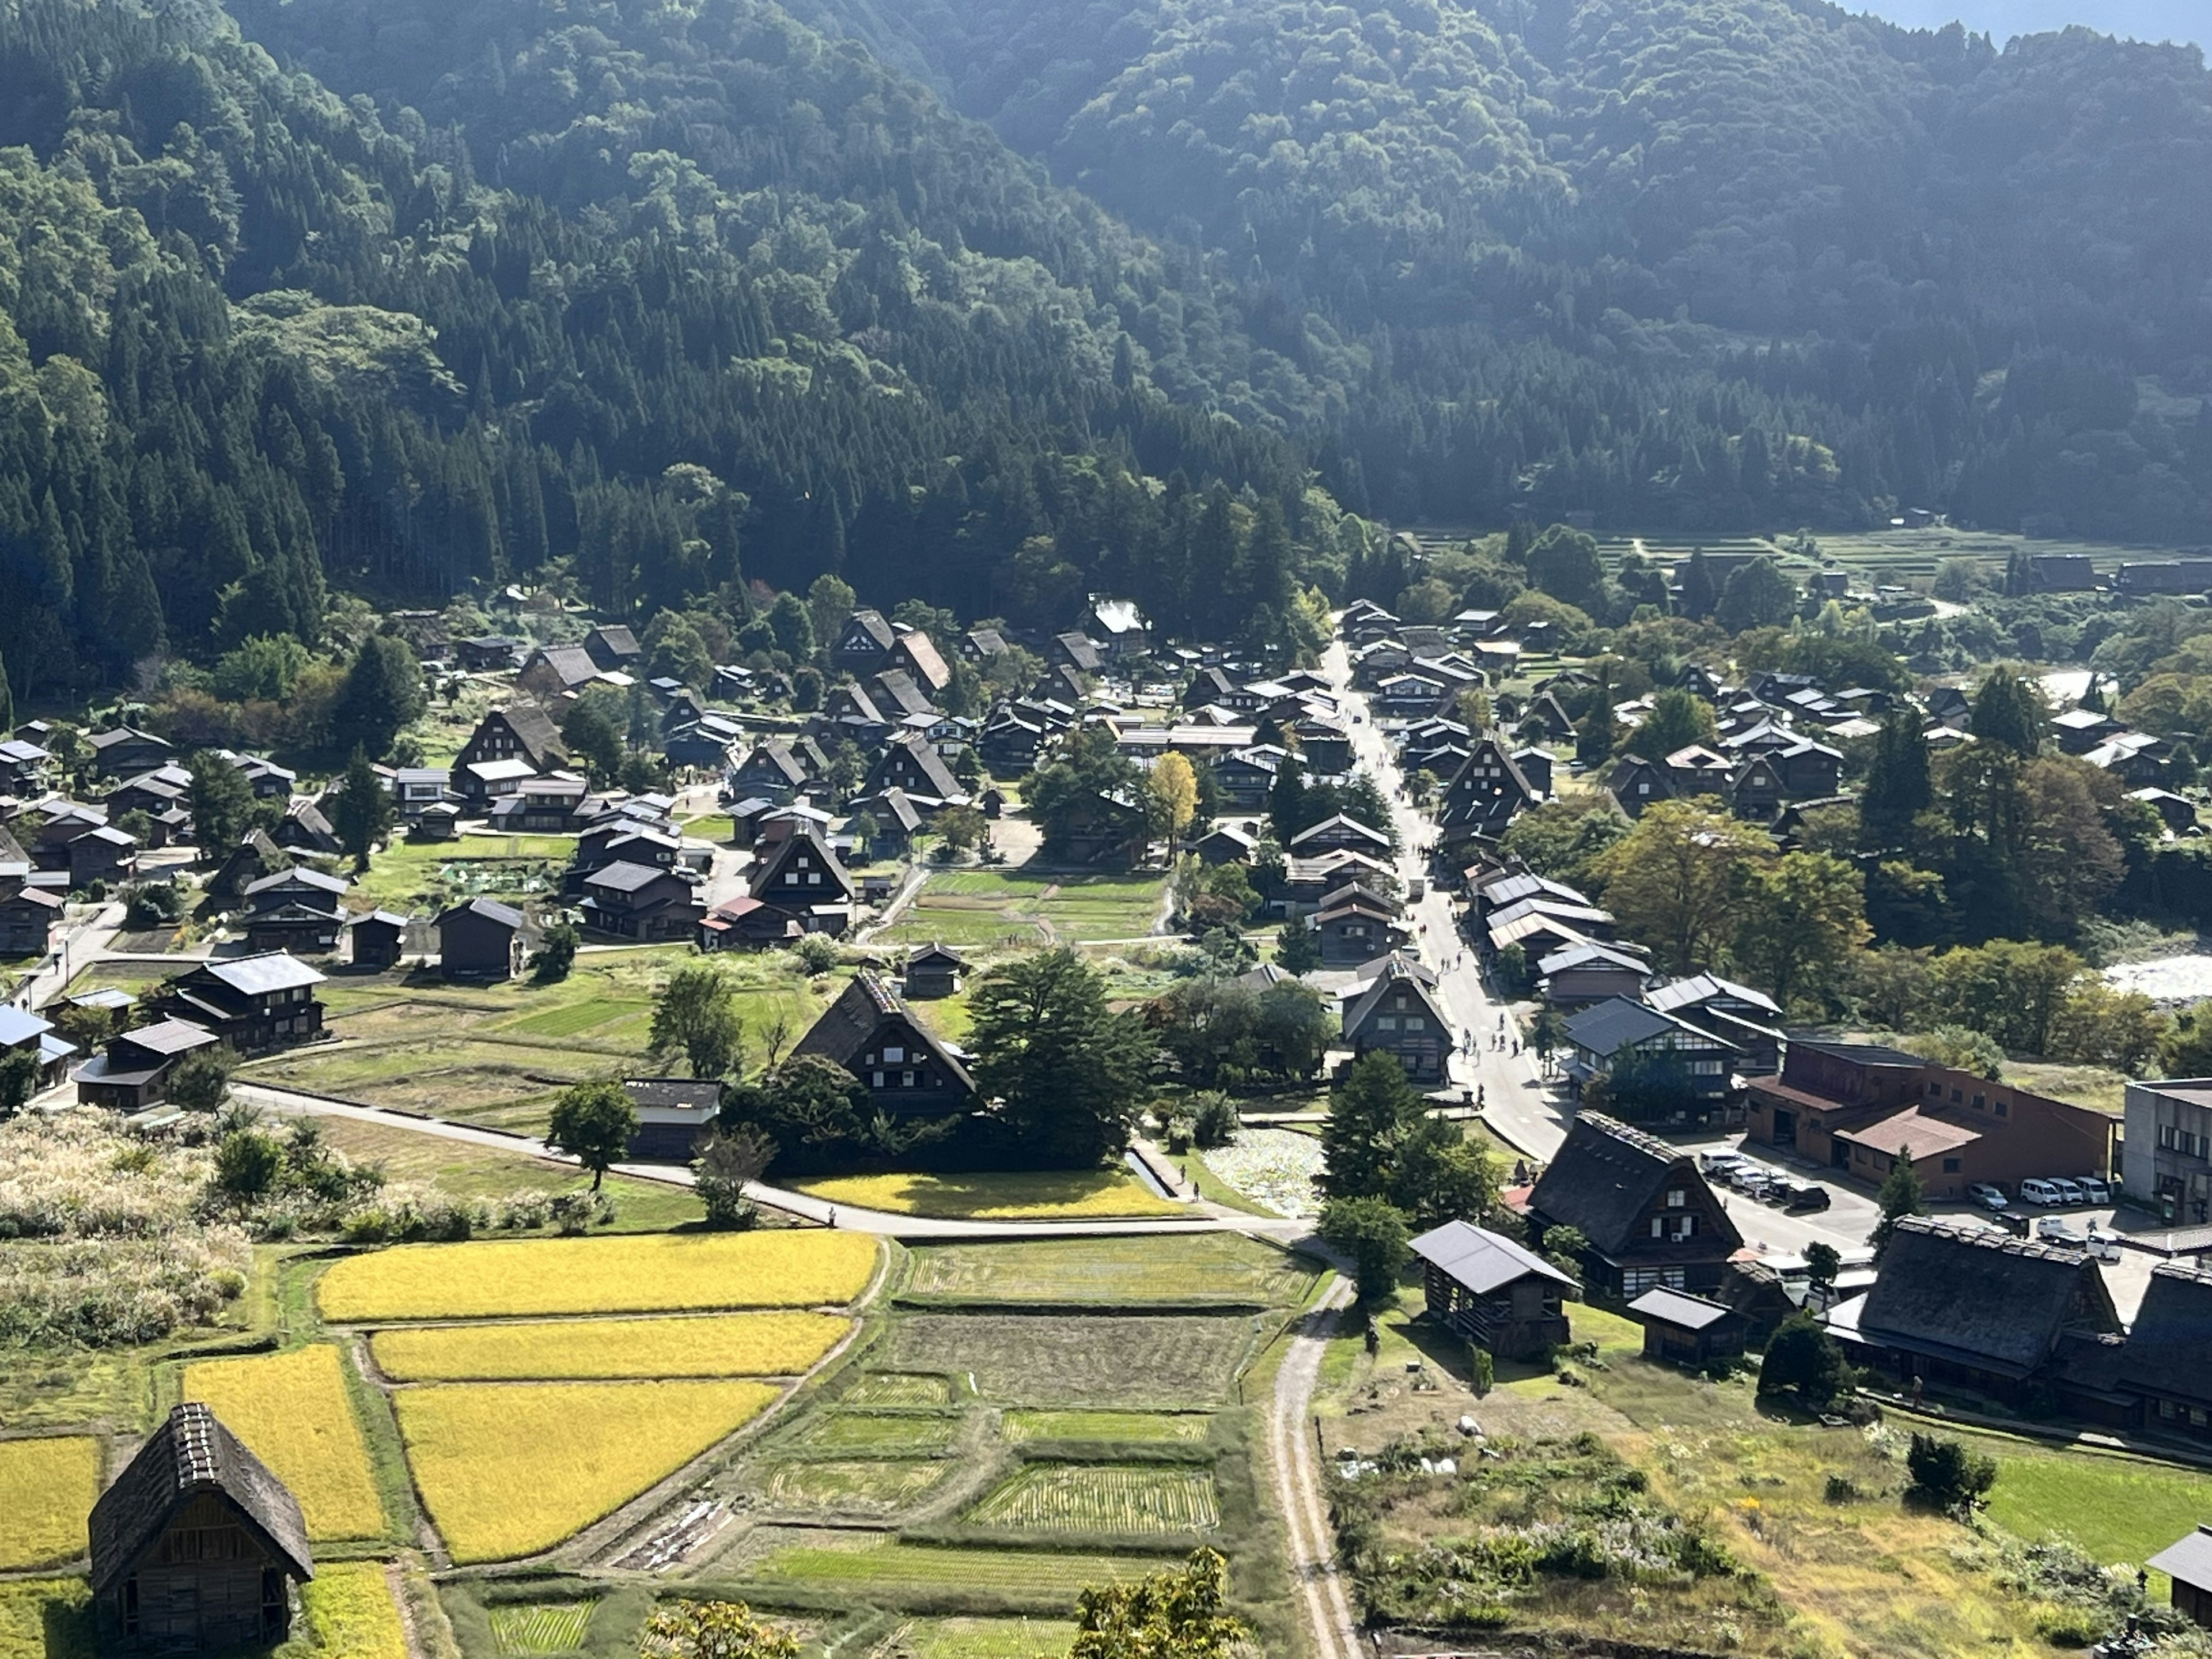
1948 1474
1181 1132
246 1164
153 904
555 954
1804 1359
201 1082
726 1164
1214 1119
815 955
1482 1372
1842 1489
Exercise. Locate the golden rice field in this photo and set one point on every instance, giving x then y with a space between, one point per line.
1000 1194
292 1412
509 1470
350 1611
651 1272
716 1345
47 1489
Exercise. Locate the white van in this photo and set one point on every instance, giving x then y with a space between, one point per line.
2070 1192
2040 1192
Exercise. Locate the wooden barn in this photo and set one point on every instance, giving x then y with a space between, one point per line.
195 1546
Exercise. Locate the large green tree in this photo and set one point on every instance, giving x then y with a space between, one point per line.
1677 880
695 1013
382 692
363 812
1677 719
1063 1072
593 1123
1803 916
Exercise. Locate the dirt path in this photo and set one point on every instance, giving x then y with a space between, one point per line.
1298 1482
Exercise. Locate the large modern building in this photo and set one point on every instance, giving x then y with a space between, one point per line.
2167 1160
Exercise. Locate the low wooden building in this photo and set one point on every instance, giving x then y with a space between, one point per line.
134 1073
1397 1011
195 1546
673 1116
932 974
377 936
481 938
1687 1330
252 1003
2188 1562
1493 1291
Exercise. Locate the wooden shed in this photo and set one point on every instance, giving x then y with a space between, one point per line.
2188 1562
933 973
195 1546
1493 1291
1687 1330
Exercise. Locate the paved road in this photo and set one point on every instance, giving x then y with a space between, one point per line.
1517 1105
1205 1217
81 944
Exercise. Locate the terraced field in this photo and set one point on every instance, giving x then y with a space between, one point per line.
1049 1579
536 1629
1102 1360
1205 1267
857 1486
909 1433
1084 1497
1144 1428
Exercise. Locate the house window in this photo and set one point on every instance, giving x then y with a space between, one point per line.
894 1055
1415 1022
1658 1226
875 1079
1677 1197
1386 1022
1951 1165
1935 1088
2167 1410
1978 1101
906 1079
1957 1095
2003 1110
1686 1227
2166 1137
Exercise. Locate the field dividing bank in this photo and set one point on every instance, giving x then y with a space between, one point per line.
293 1412
732 1344
638 1274
1002 1195
47 1488
1201 1267
510 1469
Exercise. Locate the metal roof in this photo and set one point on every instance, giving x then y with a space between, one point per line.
257 976
1481 1259
2188 1558
1678 1308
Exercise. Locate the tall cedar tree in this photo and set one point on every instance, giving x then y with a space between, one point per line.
2007 710
363 814
1065 1074
382 694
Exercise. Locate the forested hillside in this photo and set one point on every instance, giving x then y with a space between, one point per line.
1701 262
261 336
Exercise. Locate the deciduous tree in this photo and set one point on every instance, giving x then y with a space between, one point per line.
593 1123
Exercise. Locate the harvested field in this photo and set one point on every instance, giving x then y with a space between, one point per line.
49 1487
293 1412
732 1344
655 1274
509 1470
896 1433
856 1487
889 1388
1202 1267
1094 1498
894 1570
1000 1194
1142 1428
1099 1360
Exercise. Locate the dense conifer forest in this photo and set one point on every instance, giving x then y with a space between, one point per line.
987 306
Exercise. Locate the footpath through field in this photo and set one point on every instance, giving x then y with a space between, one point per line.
1205 1219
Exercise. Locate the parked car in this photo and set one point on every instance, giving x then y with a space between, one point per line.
2057 1230
2094 1188
2038 1191
1719 1163
1810 1195
1989 1197
2106 1247
2070 1192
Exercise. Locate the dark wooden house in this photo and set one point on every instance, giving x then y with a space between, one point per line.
377 936
300 909
134 1073
2188 1562
1493 1291
481 938
905 1068
1398 1013
252 1003
1687 1330
642 902
933 973
124 751
195 1546
673 1116
28 917
1355 925
1650 1217
255 856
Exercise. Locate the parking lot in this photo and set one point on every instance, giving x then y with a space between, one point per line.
1849 1218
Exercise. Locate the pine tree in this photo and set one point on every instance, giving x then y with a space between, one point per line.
363 814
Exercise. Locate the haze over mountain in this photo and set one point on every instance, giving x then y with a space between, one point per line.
2187 22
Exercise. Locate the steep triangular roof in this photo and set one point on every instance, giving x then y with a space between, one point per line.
1606 1176
1978 1295
848 1027
190 1454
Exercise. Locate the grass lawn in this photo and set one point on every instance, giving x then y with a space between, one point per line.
2117 1508
995 908
411 877
1203 1267
2093 1086
1000 1194
459 1169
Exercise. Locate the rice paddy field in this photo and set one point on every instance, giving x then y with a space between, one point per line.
733 1344
1225 1267
349 1612
978 1639
1144 1428
47 1487
861 1487
293 1412
882 1567
578 1451
46 1619
1001 1195
987 909
646 1274
1131 1498
905 1434
533 1629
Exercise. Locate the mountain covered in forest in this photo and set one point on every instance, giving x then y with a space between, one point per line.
988 304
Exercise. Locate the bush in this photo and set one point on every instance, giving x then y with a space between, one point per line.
153 904
247 1162
1214 1119
555 954
1804 1359
1947 1473
815 955
1482 1372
